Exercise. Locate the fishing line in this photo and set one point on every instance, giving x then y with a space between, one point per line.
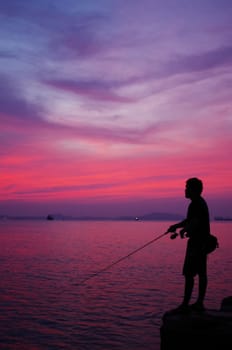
119 260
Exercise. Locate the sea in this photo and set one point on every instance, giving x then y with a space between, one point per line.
60 287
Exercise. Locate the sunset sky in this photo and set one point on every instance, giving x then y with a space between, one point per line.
108 106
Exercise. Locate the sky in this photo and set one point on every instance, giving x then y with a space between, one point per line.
107 107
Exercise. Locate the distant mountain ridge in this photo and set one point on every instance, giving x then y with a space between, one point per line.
161 216
156 216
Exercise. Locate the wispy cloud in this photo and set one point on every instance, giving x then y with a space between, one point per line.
14 106
202 61
96 90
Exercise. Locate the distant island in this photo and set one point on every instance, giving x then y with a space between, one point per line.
222 218
147 217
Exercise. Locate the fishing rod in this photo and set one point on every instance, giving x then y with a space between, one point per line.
121 259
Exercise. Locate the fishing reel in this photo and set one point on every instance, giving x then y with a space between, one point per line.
174 235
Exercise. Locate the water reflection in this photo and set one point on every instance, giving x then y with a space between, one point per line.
42 307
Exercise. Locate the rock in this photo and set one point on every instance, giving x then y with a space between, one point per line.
198 331
226 304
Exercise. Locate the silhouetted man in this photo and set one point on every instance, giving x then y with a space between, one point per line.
196 227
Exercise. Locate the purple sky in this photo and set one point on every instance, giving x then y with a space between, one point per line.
107 107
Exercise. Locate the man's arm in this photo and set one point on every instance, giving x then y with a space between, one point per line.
180 224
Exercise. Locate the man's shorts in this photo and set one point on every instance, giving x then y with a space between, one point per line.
195 262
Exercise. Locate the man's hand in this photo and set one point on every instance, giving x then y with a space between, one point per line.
182 232
172 228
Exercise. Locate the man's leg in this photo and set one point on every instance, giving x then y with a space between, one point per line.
203 281
189 283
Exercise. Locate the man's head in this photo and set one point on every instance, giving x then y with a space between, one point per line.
194 188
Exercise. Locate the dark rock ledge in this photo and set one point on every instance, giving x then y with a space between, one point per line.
211 329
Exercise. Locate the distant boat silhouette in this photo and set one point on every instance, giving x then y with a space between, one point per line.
50 217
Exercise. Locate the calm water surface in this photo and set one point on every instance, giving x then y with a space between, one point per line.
43 307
